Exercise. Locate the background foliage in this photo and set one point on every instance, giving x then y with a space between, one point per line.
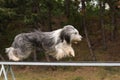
17 16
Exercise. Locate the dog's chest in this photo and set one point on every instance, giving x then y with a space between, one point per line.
63 50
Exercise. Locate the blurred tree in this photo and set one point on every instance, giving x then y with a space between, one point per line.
50 7
113 5
85 29
101 15
67 7
21 15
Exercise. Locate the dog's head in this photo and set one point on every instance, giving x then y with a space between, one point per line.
70 34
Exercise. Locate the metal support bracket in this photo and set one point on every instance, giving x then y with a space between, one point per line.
4 70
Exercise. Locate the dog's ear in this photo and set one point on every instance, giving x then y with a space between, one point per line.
62 36
65 36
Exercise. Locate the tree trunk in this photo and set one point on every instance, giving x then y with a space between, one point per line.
86 32
67 8
49 19
113 26
49 4
36 10
113 23
102 7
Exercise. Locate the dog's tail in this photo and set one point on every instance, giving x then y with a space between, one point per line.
11 54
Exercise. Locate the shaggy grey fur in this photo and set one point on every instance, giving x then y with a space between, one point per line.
26 43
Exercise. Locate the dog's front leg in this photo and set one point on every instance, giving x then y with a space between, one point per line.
48 60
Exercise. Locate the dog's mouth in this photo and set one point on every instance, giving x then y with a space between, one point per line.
75 42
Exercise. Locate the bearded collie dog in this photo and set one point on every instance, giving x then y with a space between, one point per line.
57 43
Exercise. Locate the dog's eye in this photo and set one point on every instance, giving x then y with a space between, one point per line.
75 32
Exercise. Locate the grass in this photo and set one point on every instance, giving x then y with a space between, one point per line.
79 73
78 78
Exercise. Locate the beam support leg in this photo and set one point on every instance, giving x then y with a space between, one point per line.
5 71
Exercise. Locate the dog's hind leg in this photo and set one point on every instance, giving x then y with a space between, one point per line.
34 55
47 57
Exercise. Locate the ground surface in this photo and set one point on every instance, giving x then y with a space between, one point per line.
67 73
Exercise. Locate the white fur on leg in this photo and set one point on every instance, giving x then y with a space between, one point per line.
64 50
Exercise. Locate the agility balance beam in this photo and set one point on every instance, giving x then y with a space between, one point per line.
7 66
